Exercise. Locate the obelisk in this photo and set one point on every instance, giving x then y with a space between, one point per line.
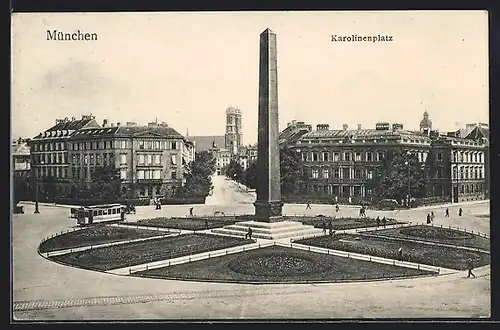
268 206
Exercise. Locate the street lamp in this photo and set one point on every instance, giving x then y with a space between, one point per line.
36 192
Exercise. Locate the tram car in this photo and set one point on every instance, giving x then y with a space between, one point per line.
89 215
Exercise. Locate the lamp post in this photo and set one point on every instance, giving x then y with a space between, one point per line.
36 196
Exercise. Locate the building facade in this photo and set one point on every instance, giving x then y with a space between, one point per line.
339 163
49 156
150 159
21 158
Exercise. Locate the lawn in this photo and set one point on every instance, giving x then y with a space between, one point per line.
439 256
191 223
136 253
438 235
276 264
95 235
343 223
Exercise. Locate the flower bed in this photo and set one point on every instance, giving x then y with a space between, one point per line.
426 254
343 223
437 235
191 223
276 264
93 236
136 253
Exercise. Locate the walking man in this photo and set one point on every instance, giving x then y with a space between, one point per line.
191 211
337 208
308 206
324 228
428 218
249 233
447 214
384 220
470 268
432 216
206 223
378 221
460 212
330 229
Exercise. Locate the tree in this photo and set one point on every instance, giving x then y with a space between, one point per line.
291 173
21 189
291 170
399 174
235 171
198 176
105 183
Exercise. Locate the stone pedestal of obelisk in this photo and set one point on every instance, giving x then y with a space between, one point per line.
268 206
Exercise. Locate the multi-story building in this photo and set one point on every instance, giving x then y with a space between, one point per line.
234 132
21 158
150 158
480 133
49 155
340 162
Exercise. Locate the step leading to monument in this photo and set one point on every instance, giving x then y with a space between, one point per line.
264 230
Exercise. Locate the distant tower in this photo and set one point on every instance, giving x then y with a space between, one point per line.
426 124
234 133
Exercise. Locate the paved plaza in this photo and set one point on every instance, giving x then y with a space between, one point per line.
44 290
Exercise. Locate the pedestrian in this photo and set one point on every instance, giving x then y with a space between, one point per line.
249 233
350 200
428 218
206 223
460 211
470 268
384 220
447 213
308 206
336 199
378 221
400 253
330 229
191 211
324 228
337 208
155 200
432 216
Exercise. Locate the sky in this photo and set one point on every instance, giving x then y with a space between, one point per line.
185 69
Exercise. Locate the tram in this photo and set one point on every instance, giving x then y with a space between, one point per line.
88 215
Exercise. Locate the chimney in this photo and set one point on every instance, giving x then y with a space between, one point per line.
118 124
104 123
345 127
397 127
359 127
322 127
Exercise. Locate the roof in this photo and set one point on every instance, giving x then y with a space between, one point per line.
479 132
20 149
66 128
125 131
365 133
203 143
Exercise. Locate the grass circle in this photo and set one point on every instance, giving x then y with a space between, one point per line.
437 233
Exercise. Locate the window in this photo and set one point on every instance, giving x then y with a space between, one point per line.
336 157
315 157
304 157
98 159
173 159
156 144
149 159
336 173
369 156
461 173
141 159
123 144
85 159
173 145
357 174
141 144
357 156
475 172
369 174
454 173
157 159
439 172
466 172
173 175
326 173
123 174
140 174
315 173
480 158
439 157
57 146
156 174
147 175
346 173
380 156
347 156
481 173
325 156
123 159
